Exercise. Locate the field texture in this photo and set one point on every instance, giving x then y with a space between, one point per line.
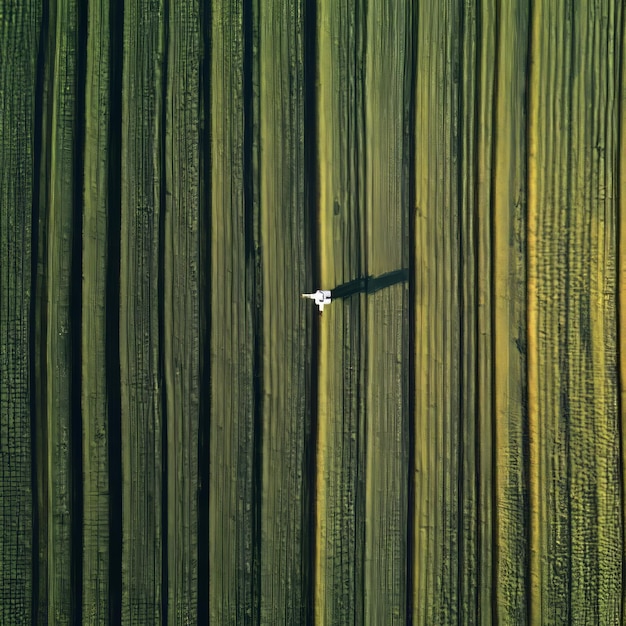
184 440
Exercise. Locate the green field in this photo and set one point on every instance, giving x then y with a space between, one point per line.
184 440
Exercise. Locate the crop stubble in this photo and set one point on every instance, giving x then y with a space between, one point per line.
447 450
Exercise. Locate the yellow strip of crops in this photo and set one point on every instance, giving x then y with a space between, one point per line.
620 186
621 246
484 274
429 316
339 545
509 330
594 451
533 313
575 534
327 272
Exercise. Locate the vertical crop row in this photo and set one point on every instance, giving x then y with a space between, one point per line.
19 28
141 289
233 542
573 216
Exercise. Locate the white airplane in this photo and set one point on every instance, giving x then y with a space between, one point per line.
321 298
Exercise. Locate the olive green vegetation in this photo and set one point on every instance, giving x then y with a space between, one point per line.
284 239
18 41
95 225
53 350
141 389
232 595
184 439
180 318
363 452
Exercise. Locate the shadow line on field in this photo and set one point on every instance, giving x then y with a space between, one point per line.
370 284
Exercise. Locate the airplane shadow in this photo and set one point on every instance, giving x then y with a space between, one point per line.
370 284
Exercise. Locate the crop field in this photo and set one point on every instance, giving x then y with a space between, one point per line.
185 440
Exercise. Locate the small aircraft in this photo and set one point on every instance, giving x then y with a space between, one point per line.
321 298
